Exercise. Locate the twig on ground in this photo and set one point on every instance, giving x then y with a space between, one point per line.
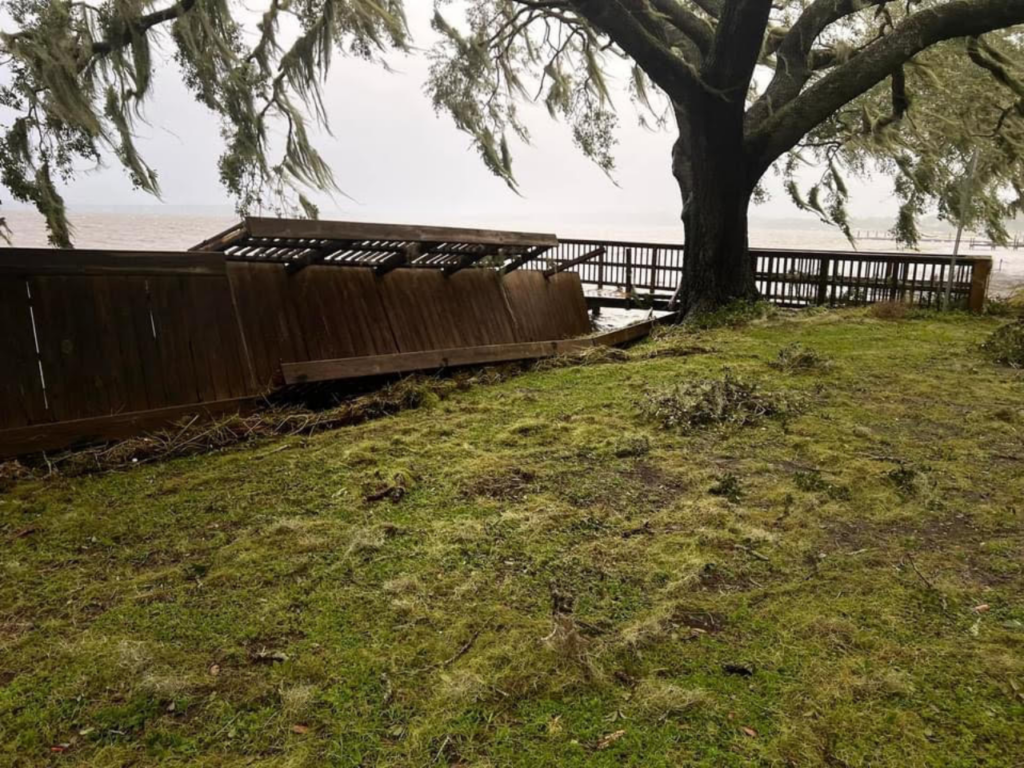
754 553
928 583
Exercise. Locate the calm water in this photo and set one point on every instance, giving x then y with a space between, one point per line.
177 231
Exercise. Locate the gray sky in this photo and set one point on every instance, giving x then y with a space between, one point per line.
401 162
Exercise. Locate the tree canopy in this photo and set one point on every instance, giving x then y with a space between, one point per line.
852 87
909 88
79 74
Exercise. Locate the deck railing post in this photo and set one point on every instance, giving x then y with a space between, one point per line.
980 273
654 271
823 281
629 278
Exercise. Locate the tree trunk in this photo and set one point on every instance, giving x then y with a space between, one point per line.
714 180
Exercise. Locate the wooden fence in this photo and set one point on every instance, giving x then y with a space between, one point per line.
99 345
648 274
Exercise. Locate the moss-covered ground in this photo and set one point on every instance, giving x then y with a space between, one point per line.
530 574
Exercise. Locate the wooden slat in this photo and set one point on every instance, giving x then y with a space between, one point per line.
169 304
72 363
546 309
428 311
340 312
355 368
351 230
267 317
21 390
26 262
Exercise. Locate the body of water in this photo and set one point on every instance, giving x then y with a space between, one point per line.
154 230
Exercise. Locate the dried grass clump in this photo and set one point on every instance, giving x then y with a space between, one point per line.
714 402
1006 345
600 355
890 310
795 358
661 699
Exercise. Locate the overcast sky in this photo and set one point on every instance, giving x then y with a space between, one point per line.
401 162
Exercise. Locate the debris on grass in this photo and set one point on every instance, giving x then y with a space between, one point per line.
734 315
600 355
728 487
194 436
1006 345
797 358
631 446
393 489
510 485
1008 306
743 670
814 482
905 479
608 740
702 403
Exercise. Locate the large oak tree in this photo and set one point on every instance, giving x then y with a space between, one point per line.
911 88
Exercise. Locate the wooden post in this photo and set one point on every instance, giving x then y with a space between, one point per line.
654 271
629 278
600 273
979 285
823 281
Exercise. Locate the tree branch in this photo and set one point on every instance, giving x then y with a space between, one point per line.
144 24
782 130
795 60
712 8
620 20
739 40
690 24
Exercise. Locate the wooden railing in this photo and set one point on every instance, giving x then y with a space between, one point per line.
638 274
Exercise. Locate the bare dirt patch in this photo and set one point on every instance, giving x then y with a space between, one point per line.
513 485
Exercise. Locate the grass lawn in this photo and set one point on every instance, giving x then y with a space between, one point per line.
530 573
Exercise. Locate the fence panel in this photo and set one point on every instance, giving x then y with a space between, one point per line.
22 396
546 309
428 310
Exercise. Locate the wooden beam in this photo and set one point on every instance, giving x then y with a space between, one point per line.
409 254
979 285
407 362
24 262
312 257
576 262
345 230
469 259
526 258
223 240
82 432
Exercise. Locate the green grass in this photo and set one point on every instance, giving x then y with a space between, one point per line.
561 583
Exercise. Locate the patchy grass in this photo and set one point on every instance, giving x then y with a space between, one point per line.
528 573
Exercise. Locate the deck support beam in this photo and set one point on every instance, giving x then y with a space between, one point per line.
469 259
575 262
526 258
